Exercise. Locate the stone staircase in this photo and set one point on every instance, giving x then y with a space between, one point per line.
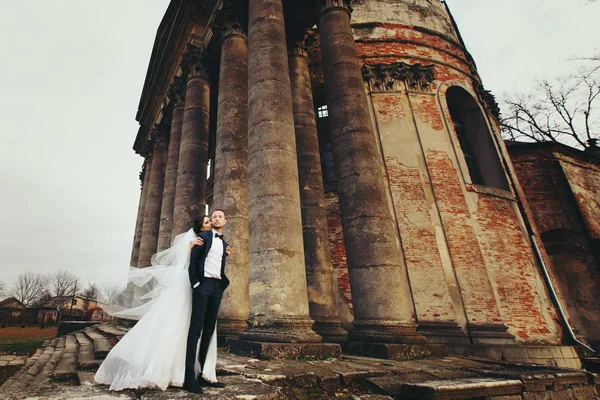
64 367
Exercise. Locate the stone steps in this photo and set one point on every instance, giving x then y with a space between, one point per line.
65 359
101 344
44 375
86 359
67 365
66 369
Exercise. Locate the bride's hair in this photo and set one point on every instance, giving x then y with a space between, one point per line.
198 223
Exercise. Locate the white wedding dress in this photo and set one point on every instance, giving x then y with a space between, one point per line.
152 353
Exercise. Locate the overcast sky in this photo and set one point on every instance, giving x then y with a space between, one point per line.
71 76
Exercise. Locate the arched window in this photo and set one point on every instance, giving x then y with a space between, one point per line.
475 140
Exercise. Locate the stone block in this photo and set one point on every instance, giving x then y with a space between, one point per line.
460 389
275 351
514 397
396 351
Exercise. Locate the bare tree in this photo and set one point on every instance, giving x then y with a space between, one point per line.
28 288
111 294
2 289
91 291
63 283
563 110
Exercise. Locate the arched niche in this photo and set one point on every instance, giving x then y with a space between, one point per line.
475 139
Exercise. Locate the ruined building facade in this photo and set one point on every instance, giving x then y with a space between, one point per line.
350 140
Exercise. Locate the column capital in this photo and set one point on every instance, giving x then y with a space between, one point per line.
194 62
327 5
143 174
147 150
176 92
306 44
383 77
231 20
158 137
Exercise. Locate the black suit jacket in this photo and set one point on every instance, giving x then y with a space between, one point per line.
198 258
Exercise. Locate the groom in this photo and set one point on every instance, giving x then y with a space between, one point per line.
208 280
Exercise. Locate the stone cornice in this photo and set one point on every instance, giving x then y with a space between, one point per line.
383 77
489 101
183 21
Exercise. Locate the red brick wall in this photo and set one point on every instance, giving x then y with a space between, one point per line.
546 191
496 269
468 261
512 268
412 208
336 244
561 185
584 182
481 252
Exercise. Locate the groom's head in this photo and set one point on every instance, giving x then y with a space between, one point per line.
217 218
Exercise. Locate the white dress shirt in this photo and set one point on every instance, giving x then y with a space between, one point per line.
214 258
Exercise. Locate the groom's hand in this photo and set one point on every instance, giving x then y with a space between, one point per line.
228 250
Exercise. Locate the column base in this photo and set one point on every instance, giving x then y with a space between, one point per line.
377 331
491 334
331 331
443 332
280 330
278 351
393 351
229 328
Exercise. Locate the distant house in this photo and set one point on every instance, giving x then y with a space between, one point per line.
12 311
98 314
77 308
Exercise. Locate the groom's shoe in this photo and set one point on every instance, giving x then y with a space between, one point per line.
204 382
192 386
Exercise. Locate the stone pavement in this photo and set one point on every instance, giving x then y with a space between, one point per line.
63 368
12 359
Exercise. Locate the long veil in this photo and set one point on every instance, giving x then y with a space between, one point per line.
145 285
167 276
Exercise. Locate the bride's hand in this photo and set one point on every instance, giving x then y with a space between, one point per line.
196 242
228 250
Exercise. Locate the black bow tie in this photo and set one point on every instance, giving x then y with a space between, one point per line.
218 236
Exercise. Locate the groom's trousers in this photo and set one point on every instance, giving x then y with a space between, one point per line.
206 300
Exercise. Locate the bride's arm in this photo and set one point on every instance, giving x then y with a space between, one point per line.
196 242
193 268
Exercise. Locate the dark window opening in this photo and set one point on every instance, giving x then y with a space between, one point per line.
325 148
475 140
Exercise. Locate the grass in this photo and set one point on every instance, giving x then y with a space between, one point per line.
23 341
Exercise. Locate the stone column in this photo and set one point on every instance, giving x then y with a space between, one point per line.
139 224
317 257
381 294
278 298
149 240
231 166
190 192
135 252
176 95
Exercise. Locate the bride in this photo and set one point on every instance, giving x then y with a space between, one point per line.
152 353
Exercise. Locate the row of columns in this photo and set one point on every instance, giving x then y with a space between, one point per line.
266 133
